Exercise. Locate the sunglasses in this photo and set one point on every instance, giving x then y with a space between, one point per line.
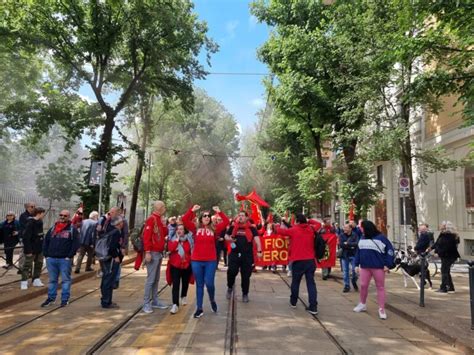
63 215
206 215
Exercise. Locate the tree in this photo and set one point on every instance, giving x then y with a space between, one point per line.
113 47
58 181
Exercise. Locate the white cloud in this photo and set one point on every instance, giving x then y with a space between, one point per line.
252 22
259 103
230 28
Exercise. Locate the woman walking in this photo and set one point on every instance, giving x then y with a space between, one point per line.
204 256
375 257
180 248
446 246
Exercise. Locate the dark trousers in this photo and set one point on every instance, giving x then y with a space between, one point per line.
180 276
221 247
9 249
83 250
446 280
109 271
242 262
306 268
28 268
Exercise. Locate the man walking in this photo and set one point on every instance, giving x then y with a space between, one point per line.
33 249
348 242
303 261
110 266
28 213
154 236
60 246
241 235
123 240
87 239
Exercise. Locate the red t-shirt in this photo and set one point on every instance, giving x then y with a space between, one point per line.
204 238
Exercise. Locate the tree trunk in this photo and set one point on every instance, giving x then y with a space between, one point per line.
407 156
349 152
145 118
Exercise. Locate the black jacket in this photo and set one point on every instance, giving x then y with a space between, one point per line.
63 244
33 236
349 249
114 247
446 245
23 220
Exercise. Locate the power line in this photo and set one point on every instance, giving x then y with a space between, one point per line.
202 154
238 73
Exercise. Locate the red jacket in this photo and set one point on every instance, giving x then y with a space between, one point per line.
301 239
154 234
175 259
204 238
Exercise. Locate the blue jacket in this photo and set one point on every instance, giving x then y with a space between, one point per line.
63 244
375 253
425 240
349 249
88 232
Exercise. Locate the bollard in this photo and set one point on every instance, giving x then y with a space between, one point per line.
422 279
471 290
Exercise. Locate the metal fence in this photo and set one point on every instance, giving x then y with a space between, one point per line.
15 199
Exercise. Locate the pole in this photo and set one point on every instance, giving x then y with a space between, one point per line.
471 290
422 280
405 233
148 186
100 186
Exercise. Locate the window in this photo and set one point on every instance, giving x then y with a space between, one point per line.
409 211
469 186
380 175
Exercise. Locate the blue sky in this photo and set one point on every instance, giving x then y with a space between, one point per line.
239 36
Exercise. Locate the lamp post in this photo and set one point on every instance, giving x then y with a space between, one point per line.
148 186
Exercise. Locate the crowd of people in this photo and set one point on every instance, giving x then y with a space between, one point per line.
194 243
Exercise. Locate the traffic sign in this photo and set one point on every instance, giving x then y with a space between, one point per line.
96 173
404 185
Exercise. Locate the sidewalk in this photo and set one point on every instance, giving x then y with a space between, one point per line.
446 316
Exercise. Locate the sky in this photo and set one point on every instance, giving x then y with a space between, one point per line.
238 35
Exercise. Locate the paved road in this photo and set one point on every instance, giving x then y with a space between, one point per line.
266 325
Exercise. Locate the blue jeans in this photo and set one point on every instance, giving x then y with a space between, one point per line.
345 263
306 268
204 273
109 271
119 273
55 267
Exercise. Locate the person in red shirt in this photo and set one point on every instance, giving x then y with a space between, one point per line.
328 233
180 248
154 235
303 260
204 256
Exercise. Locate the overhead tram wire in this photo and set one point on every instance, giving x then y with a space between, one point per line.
238 73
204 155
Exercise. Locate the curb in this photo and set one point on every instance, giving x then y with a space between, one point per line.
444 337
44 290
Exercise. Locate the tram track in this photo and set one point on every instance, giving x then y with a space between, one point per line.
230 341
317 320
20 325
107 338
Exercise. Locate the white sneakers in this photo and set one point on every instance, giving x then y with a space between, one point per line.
24 285
360 308
174 309
184 301
288 274
37 283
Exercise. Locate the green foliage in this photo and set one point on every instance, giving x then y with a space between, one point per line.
58 181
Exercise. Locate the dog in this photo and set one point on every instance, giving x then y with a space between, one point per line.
410 268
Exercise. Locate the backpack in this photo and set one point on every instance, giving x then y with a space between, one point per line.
102 247
136 237
321 249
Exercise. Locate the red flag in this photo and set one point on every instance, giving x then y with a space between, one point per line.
351 211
